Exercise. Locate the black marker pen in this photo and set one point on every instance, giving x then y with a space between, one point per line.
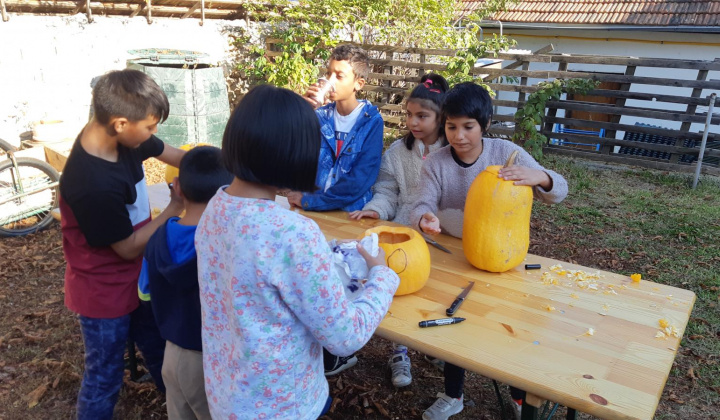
438 322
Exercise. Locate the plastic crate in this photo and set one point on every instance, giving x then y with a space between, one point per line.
559 128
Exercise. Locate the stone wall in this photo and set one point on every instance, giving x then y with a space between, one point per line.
47 63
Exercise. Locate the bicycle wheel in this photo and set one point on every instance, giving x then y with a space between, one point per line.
27 195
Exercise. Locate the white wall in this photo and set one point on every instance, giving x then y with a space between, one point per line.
47 63
627 43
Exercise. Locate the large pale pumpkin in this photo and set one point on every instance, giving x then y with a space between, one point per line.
170 171
406 254
496 226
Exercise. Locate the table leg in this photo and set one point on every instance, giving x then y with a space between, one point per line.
571 414
529 412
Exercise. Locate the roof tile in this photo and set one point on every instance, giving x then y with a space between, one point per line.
621 12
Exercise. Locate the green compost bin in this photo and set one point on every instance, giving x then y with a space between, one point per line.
199 105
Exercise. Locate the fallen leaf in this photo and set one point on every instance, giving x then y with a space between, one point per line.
33 398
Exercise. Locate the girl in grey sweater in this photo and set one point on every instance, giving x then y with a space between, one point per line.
444 183
399 174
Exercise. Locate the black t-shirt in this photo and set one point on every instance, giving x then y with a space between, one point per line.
108 198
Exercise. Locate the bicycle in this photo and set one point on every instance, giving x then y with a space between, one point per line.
29 191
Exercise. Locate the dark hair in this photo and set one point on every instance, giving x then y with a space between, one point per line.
430 93
355 56
202 173
273 138
130 94
470 100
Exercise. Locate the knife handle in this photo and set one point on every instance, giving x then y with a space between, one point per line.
454 307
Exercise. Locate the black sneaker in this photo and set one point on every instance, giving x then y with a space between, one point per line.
336 364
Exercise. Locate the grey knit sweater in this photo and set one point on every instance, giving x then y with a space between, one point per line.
444 184
398 178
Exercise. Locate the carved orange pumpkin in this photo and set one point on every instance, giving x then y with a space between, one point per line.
406 254
170 171
496 225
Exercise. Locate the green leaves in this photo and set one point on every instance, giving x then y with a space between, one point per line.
308 31
531 115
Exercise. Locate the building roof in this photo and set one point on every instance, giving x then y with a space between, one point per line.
609 12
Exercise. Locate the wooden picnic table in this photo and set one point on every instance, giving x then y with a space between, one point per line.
532 329
574 335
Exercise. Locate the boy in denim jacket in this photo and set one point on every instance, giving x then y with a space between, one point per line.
352 138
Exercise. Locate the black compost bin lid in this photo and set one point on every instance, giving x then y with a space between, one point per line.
165 56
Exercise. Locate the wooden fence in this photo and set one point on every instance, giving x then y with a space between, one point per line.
588 126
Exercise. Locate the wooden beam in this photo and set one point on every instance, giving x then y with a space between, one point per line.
668 132
88 11
139 9
149 11
691 109
586 139
603 77
628 160
202 12
5 16
631 111
191 10
650 97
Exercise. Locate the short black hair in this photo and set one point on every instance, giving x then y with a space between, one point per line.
470 100
130 94
201 173
273 138
355 56
429 93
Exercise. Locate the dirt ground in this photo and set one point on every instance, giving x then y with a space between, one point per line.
41 350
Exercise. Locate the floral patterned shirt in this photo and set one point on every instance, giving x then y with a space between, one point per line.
271 300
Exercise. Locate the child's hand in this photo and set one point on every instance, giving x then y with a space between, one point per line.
522 175
370 260
359 214
430 224
295 198
311 95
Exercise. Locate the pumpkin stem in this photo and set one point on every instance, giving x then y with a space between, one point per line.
511 160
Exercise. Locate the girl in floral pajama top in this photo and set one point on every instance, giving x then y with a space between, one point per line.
270 296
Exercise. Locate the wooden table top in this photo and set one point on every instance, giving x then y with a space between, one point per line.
532 329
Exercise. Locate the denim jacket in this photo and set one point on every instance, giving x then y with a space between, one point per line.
345 183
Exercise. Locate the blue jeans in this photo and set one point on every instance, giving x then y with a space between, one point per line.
105 340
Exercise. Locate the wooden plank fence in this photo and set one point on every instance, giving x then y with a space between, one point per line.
648 143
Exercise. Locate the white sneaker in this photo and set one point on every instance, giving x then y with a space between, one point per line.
400 366
443 408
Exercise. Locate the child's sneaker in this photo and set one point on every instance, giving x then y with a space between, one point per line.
337 364
443 408
439 364
517 408
400 366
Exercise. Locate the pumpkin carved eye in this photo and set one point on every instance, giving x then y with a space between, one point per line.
406 254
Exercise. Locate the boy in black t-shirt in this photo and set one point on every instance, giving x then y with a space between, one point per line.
105 226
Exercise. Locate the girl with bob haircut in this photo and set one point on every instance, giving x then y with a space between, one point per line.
270 297
399 175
